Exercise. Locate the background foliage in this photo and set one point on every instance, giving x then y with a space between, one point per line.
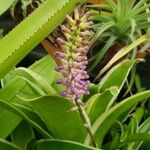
34 115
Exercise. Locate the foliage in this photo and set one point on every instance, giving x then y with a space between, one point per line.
47 17
122 21
34 115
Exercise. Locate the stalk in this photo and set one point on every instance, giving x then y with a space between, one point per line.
85 120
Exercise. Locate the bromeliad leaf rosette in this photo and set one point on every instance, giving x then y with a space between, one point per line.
74 46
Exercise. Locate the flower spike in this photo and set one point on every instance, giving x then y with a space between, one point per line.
76 36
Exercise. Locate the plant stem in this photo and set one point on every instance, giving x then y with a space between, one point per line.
85 120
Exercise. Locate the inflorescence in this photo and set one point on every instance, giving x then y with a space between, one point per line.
74 47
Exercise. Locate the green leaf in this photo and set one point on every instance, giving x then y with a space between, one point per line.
22 135
124 131
35 78
102 52
35 88
101 125
124 51
43 21
54 111
98 103
31 144
5 145
24 113
133 125
116 76
103 28
45 68
8 121
144 128
4 5
137 137
62 145
115 142
139 113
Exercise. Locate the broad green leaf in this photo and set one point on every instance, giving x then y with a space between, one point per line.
54 111
62 145
36 79
31 31
8 121
33 87
101 125
24 113
98 103
8 77
22 135
45 68
5 145
116 76
119 72
4 5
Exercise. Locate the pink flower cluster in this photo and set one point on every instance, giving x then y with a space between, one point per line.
73 60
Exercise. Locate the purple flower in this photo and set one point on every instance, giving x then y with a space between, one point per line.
75 46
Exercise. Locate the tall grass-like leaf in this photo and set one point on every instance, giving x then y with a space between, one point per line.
98 103
103 28
102 52
124 51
